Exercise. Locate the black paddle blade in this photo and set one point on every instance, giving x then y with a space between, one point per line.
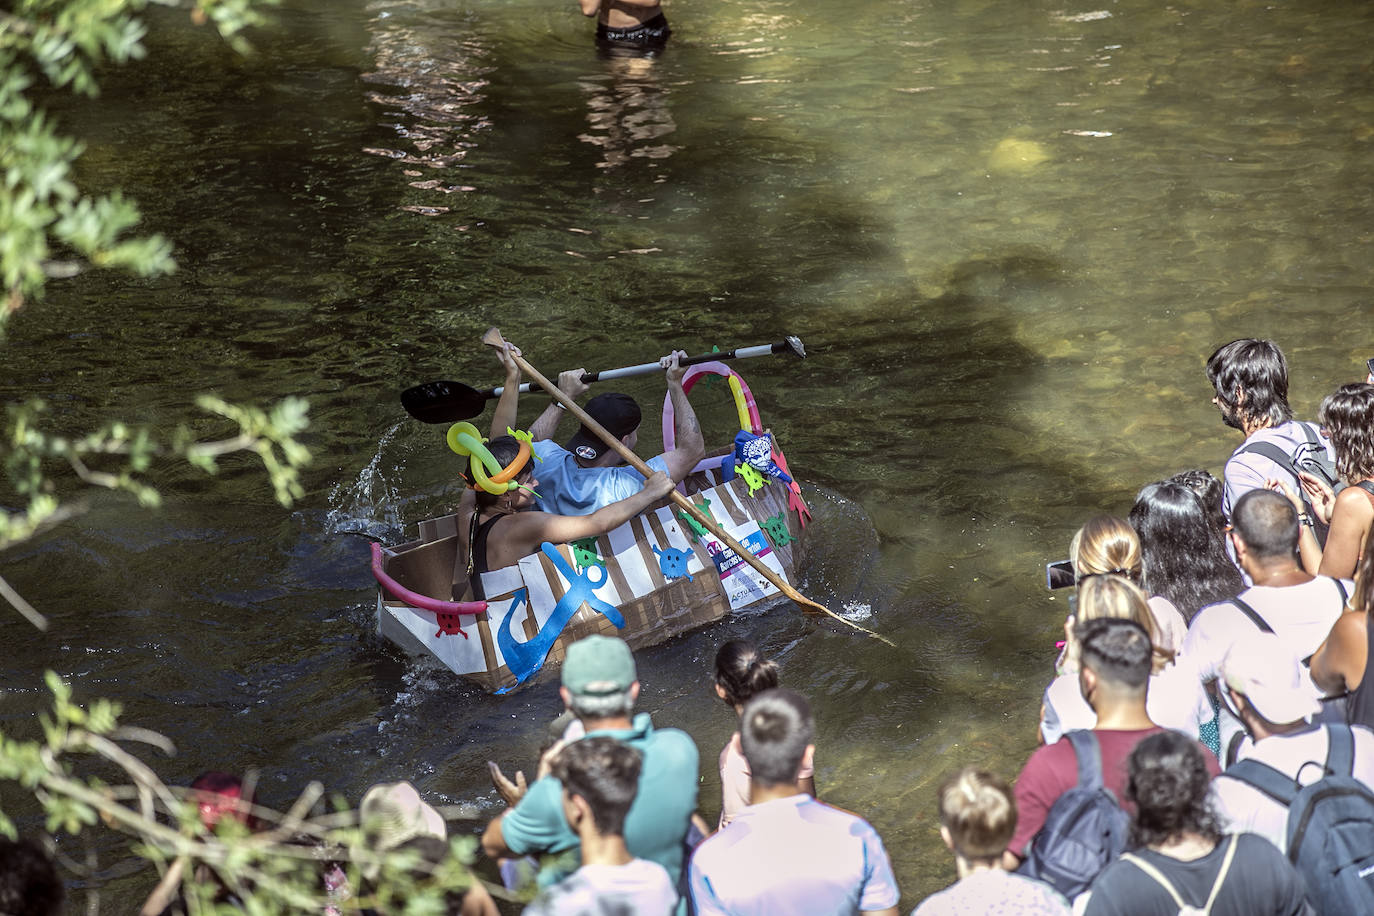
443 402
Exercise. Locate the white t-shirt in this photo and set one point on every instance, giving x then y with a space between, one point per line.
1300 615
1173 628
639 886
1175 699
995 891
1246 809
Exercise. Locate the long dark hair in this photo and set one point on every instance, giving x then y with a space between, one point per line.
1185 559
1348 415
742 672
1168 782
503 449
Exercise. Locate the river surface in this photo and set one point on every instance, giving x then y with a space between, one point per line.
1008 232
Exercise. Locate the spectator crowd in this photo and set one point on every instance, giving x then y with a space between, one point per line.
1206 733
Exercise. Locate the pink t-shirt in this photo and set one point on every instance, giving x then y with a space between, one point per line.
734 779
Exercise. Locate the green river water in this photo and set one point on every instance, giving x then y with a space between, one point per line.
1009 234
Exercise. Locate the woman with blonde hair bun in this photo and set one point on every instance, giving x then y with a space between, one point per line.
977 820
1175 698
1107 544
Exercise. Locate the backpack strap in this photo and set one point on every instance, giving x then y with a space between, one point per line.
1340 753
1254 616
1340 587
1221 875
1233 747
1089 754
1158 875
1266 779
1273 453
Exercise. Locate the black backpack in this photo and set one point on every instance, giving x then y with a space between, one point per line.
1085 830
1330 825
1310 456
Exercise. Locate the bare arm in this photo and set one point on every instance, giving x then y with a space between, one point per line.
530 529
890 911
589 7
1339 664
1350 523
689 446
570 383
493 843
504 415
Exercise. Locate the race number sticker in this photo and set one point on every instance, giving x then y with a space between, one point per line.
743 585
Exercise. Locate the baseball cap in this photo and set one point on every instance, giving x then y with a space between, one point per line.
1263 669
598 665
617 412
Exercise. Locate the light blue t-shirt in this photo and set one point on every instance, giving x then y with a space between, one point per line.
792 855
567 488
658 820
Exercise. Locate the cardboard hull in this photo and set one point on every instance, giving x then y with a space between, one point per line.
651 571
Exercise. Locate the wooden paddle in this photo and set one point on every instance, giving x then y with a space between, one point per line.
447 402
494 339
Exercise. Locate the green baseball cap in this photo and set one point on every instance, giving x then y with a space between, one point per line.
598 665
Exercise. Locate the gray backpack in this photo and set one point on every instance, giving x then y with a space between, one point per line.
1085 829
1330 825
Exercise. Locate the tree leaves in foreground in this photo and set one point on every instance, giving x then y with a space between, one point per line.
50 229
276 868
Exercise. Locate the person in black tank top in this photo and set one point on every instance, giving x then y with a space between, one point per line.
1342 662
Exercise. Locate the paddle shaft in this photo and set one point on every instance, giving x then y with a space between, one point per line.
606 375
683 502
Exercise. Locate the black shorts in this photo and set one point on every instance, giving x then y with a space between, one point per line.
644 40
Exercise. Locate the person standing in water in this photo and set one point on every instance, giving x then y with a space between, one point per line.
628 28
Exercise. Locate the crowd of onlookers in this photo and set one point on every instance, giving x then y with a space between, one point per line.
1206 742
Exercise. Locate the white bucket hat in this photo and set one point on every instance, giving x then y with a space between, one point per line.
1264 670
392 813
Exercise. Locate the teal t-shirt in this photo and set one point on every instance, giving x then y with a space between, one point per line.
657 824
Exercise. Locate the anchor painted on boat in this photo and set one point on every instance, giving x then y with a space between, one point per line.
776 529
525 658
585 554
673 563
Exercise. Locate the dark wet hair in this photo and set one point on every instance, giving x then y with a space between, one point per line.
29 884
1267 523
775 729
1348 416
1209 491
1257 368
1116 650
1168 782
1185 557
605 773
742 672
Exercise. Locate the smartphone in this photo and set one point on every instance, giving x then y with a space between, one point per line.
1059 575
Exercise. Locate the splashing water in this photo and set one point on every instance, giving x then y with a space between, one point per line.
370 505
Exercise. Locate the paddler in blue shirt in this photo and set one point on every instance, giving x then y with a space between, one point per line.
586 475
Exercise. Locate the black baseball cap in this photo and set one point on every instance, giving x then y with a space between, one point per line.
617 412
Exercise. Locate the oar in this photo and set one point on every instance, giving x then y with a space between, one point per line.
448 402
493 339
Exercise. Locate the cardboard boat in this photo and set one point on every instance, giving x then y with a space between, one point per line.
654 577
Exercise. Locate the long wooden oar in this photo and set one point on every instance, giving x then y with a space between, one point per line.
493 338
448 402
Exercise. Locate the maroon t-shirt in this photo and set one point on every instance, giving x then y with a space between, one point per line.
1053 770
